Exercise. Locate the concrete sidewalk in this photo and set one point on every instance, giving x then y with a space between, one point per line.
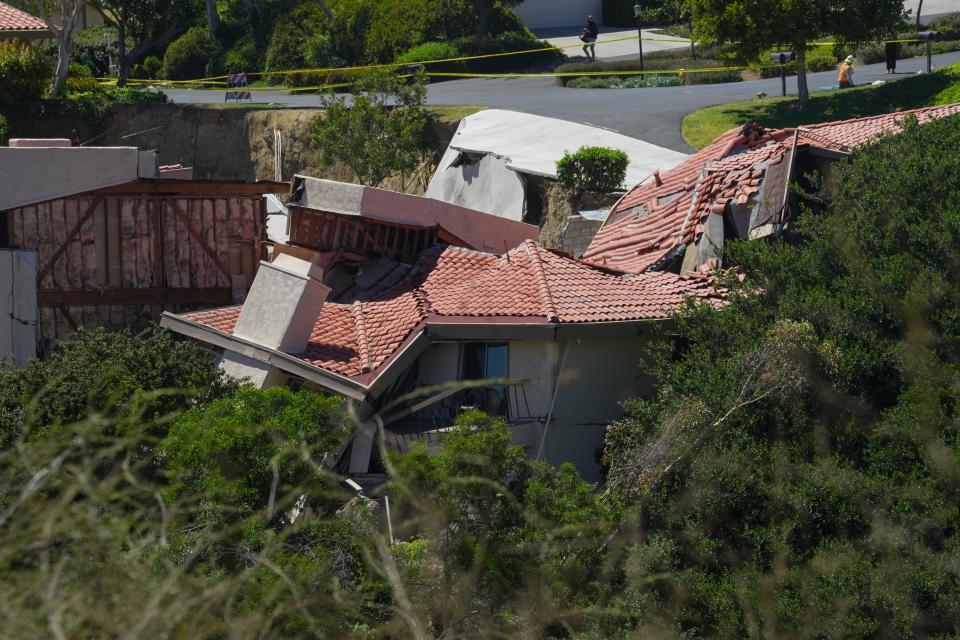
651 41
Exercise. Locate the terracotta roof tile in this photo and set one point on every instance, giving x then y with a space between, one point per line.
12 19
529 283
674 212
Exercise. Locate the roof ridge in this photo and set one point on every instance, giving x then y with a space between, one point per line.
360 323
905 112
550 310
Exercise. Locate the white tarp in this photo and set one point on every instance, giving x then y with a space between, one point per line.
489 145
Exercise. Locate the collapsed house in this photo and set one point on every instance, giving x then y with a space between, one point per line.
94 237
497 156
731 189
562 341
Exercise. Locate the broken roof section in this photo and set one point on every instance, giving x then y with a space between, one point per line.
529 287
655 222
32 174
508 144
458 225
15 23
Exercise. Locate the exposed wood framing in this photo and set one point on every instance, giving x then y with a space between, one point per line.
198 237
70 237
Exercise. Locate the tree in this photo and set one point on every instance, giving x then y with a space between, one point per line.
63 21
755 26
482 10
213 17
149 23
383 132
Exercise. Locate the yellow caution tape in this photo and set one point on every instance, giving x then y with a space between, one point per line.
222 81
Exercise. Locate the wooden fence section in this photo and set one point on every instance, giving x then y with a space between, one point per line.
120 256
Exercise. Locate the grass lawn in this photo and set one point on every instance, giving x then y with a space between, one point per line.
454 113
702 127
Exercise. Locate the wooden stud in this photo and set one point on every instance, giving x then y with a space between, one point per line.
199 238
73 232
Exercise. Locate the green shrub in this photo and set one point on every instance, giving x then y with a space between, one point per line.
434 51
193 55
299 42
80 78
24 73
3 129
660 61
504 43
103 372
227 453
818 59
429 51
152 67
243 57
593 169
634 82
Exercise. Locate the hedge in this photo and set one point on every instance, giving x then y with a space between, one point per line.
593 169
24 73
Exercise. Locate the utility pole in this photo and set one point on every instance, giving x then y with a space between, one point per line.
637 11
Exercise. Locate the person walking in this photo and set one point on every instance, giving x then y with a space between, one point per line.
589 38
845 79
891 49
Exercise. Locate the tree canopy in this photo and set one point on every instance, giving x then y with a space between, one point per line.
755 26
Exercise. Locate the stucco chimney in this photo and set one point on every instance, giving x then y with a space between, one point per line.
283 304
280 312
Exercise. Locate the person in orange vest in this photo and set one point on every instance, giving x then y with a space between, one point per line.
845 79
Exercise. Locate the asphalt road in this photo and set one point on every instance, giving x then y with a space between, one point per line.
653 115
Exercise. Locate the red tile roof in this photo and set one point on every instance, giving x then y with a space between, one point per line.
652 220
528 284
16 20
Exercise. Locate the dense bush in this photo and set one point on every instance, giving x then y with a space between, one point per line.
80 78
429 51
243 57
150 69
226 452
298 42
108 373
193 55
593 169
635 82
661 61
827 480
818 59
24 73
3 129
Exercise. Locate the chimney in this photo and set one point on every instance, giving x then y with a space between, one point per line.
280 312
283 304
657 179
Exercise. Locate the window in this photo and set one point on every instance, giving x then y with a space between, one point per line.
486 361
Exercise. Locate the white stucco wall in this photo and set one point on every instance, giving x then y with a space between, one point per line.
439 364
599 375
539 14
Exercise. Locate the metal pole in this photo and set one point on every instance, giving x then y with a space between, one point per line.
640 41
929 56
783 81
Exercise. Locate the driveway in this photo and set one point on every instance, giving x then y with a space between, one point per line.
569 39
